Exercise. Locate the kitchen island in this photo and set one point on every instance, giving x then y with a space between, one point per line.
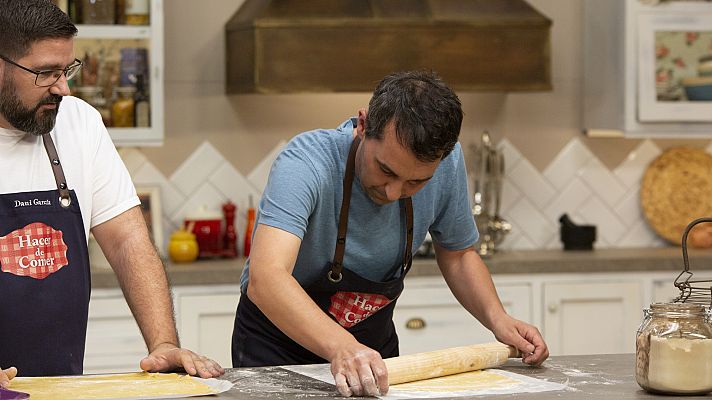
586 377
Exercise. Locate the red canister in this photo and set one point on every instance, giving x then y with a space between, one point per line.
206 225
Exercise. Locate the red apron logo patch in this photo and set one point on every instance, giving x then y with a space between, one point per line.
350 308
37 251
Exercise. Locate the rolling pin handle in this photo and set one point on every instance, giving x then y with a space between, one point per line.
514 352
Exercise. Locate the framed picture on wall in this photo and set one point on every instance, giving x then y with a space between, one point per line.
671 48
150 197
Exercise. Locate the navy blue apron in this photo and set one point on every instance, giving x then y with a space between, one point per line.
361 306
44 279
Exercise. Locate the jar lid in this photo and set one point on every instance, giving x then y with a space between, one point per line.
126 90
678 309
203 213
182 234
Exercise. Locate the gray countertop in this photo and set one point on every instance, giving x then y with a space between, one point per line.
227 271
586 377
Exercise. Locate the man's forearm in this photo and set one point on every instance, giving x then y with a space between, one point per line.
140 273
471 283
288 306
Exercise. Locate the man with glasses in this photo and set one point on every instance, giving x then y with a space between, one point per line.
61 178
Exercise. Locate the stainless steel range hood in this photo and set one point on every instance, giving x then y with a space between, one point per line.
287 46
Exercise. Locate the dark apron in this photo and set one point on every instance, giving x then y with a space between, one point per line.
361 306
44 279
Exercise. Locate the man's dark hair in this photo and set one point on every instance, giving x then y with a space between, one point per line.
427 114
23 22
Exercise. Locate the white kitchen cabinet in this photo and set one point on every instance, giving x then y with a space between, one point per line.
135 36
428 317
114 342
621 74
592 317
205 318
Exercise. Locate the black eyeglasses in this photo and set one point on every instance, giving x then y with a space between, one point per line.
51 76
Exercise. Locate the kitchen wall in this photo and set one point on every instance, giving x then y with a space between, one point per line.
219 147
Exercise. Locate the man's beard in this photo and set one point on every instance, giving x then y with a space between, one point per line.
27 120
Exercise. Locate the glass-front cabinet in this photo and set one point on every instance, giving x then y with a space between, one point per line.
120 43
648 68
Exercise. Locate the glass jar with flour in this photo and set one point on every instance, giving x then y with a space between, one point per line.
674 349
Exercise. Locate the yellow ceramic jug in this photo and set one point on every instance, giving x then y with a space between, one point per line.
183 247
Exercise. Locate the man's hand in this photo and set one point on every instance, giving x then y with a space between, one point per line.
359 371
6 375
168 357
523 336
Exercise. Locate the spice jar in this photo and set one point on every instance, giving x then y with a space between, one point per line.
674 349
137 12
122 111
183 247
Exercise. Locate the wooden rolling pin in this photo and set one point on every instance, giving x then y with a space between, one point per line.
455 360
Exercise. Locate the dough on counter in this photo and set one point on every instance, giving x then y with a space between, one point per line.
126 386
474 380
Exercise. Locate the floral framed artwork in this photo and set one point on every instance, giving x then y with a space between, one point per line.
670 46
151 209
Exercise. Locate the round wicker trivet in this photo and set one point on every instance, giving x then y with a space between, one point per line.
676 189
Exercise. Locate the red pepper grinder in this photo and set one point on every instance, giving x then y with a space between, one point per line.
230 237
249 227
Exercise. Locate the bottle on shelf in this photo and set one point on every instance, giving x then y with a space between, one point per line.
120 12
74 10
142 106
249 227
137 12
122 111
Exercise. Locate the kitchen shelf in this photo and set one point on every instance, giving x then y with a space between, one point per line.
152 35
114 32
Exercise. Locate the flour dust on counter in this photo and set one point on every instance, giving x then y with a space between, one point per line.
277 383
473 383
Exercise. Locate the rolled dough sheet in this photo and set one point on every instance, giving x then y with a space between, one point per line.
138 385
490 381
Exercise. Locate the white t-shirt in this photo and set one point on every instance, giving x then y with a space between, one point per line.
91 164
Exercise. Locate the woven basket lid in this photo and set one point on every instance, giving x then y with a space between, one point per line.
676 189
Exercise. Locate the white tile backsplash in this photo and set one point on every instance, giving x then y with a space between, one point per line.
171 198
567 201
529 181
566 165
628 209
575 182
195 170
534 225
630 172
205 195
609 228
604 183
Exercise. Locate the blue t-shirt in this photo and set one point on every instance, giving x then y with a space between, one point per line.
303 197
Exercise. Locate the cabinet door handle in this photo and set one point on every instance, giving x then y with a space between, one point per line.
415 323
553 307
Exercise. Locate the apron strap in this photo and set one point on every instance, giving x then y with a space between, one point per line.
408 253
64 199
337 265
334 275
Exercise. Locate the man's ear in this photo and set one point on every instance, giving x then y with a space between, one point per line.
361 123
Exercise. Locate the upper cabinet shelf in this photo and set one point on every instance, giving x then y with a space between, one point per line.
643 68
115 32
119 61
